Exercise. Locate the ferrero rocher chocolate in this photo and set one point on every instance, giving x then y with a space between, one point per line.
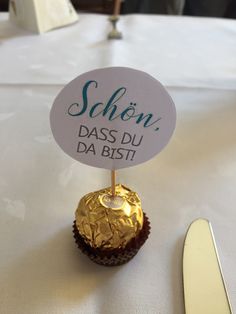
108 222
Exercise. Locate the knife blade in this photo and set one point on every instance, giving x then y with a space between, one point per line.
204 287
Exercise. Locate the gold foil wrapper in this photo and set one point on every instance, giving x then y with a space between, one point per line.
108 222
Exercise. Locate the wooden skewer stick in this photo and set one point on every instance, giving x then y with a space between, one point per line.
113 183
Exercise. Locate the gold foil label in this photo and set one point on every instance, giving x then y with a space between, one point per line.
109 201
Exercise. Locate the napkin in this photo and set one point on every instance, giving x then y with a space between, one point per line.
42 15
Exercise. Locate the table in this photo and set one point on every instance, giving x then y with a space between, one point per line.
41 269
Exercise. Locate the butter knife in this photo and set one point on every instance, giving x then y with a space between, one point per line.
204 287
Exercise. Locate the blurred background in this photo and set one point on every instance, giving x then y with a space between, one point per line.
211 8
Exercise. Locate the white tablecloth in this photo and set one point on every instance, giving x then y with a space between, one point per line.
41 270
180 51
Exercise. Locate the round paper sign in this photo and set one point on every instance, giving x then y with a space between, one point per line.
113 118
